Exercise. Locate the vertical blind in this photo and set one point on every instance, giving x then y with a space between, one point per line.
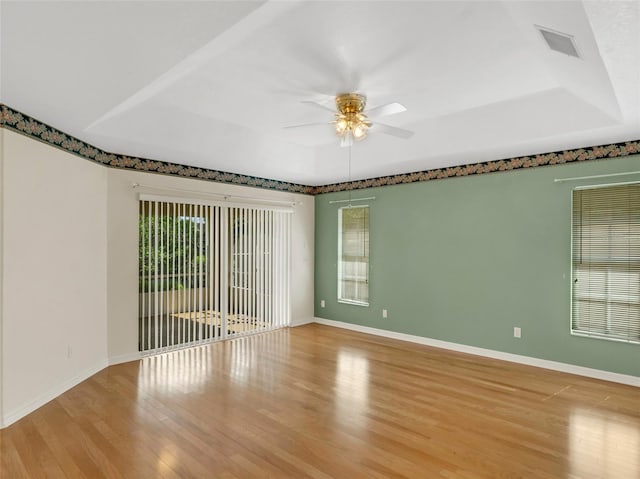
353 254
606 262
209 272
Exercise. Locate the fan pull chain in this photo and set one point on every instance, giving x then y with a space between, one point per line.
349 185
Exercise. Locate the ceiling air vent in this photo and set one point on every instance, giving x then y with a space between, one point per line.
559 42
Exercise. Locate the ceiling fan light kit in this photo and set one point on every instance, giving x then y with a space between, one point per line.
350 119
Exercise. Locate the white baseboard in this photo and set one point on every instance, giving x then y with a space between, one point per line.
490 353
49 395
302 321
17 414
125 358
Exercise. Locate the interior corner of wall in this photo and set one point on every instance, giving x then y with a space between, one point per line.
1 270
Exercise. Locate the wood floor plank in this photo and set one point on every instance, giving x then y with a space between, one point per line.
321 402
10 462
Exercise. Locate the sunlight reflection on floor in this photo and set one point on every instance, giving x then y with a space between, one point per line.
603 446
352 388
185 371
189 370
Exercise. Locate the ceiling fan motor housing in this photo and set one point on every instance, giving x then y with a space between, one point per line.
350 103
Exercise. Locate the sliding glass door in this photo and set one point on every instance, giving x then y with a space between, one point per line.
210 271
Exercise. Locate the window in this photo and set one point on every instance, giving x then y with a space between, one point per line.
353 255
606 262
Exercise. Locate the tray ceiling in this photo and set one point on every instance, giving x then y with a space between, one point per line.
213 84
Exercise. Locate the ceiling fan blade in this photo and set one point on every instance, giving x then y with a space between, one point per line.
384 110
319 105
332 66
392 130
350 79
305 125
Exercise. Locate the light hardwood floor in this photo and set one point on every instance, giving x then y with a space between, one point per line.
321 402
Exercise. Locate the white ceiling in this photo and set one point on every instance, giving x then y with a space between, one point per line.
213 84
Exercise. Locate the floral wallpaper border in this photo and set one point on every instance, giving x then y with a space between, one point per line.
26 125
544 159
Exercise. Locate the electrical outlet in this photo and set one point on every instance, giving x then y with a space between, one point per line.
69 351
517 332
322 303
384 313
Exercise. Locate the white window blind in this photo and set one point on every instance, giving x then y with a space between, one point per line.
606 262
353 255
209 272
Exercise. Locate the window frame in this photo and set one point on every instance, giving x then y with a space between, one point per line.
339 265
574 330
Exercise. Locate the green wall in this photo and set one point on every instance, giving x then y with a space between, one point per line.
466 259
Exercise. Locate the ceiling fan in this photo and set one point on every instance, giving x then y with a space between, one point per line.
352 123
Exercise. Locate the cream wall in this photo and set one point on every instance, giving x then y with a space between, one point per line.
122 283
54 316
69 243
